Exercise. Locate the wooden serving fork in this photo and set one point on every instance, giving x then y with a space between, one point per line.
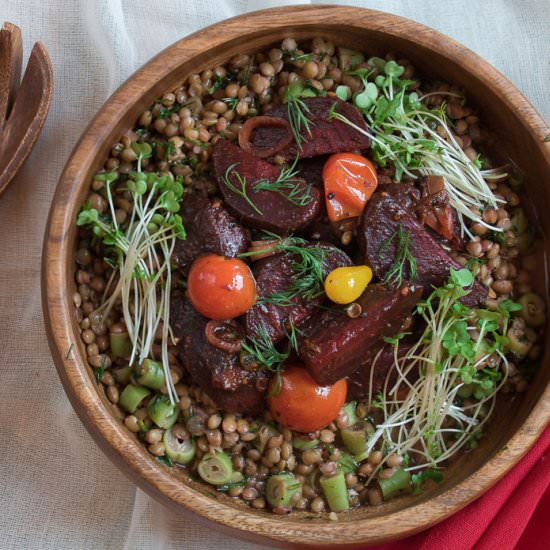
24 104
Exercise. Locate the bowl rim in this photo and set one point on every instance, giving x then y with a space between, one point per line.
73 370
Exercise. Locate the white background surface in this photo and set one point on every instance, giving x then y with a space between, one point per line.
58 491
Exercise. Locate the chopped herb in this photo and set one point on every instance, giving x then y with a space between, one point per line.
166 460
286 185
98 372
221 82
241 189
231 102
166 112
142 426
169 148
404 259
224 488
294 56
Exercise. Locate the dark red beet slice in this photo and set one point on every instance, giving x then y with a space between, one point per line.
359 382
327 136
333 345
272 210
217 373
381 220
275 274
210 228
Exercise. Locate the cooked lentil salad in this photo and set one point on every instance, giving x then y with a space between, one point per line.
317 177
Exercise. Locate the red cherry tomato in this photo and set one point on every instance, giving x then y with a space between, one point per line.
301 404
220 287
349 180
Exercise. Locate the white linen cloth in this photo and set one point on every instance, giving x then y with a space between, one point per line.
58 490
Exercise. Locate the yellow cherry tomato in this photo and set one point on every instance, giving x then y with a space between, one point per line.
344 285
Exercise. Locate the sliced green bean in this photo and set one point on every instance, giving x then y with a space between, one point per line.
121 346
399 482
132 396
149 373
215 468
355 438
122 375
179 450
281 488
336 493
350 410
162 412
303 443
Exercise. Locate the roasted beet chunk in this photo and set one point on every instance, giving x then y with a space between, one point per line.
383 218
264 209
364 381
217 373
210 228
327 135
333 345
276 275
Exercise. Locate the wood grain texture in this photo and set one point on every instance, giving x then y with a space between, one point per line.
11 57
27 113
505 111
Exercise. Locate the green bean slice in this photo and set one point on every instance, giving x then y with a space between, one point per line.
162 412
336 493
132 396
179 450
281 488
215 468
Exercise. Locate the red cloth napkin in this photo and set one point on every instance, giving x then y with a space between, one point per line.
515 513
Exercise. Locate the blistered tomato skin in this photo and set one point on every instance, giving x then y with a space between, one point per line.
349 181
301 404
221 288
344 285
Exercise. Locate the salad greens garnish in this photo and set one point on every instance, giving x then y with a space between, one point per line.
139 253
418 140
403 258
461 352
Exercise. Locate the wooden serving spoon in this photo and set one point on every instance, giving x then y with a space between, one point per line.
23 110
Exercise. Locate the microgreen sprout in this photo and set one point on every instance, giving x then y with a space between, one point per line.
456 353
140 256
419 141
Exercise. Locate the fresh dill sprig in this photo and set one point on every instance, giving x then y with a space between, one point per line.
241 190
308 276
286 185
267 356
298 113
403 259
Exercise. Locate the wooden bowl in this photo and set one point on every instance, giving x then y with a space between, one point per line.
505 111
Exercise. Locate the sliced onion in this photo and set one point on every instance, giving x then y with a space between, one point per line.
225 335
245 134
263 249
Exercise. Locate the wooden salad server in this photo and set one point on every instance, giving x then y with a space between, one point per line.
24 104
